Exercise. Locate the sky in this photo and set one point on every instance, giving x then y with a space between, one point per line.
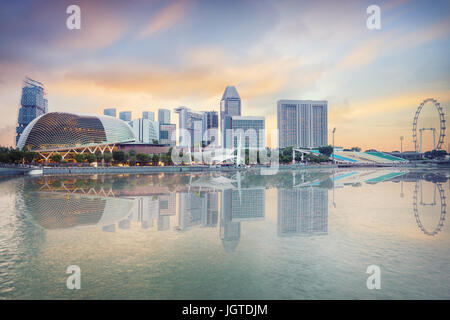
144 55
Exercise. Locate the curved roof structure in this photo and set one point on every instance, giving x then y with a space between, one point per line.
60 130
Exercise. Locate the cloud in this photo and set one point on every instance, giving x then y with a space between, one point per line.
390 42
164 19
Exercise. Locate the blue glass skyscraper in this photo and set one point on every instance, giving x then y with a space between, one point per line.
33 104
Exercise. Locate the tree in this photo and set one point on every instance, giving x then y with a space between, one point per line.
98 156
90 157
119 156
357 149
155 159
155 141
15 155
327 151
132 153
56 158
108 157
80 157
143 158
30 156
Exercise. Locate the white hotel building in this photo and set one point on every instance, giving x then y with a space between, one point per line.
302 123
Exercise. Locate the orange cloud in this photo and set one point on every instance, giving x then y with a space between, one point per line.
164 19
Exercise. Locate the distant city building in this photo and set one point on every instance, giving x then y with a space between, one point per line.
125 116
246 132
210 127
167 134
302 211
302 123
33 104
230 105
149 115
190 127
164 116
145 130
110 112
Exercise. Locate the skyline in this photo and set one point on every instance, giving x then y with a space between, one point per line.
166 54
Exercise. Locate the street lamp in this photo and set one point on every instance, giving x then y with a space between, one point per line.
334 130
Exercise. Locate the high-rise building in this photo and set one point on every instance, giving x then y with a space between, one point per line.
210 127
125 115
146 131
164 116
190 127
167 134
110 112
245 132
302 123
149 115
33 104
230 105
302 211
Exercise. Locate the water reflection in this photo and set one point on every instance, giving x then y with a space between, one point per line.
184 202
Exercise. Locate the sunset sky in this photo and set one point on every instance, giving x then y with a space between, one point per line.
145 55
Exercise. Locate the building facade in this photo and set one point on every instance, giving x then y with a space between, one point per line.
167 134
145 130
230 105
33 104
125 116
110 112
244 132
210 127
190 127
302 123
164 116
149 115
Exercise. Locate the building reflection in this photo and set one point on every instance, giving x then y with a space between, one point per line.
302 211
187 202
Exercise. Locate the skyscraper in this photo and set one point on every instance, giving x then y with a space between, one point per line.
110 112
149 115
246 132
33 104
210 126
164 116
145 130
230 105
190 126
302 123
125 115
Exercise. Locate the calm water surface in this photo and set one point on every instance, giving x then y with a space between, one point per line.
295 235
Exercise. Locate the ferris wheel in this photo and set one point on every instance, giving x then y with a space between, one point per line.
443 205
440 142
